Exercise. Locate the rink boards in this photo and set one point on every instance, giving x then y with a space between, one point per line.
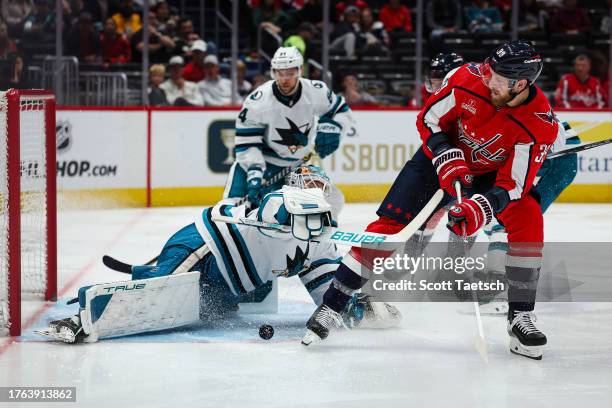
132 157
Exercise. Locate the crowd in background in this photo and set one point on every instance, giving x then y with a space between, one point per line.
187 69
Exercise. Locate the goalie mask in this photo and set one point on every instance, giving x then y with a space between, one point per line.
308 176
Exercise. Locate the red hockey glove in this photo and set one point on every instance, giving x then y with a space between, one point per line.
450 166
473 213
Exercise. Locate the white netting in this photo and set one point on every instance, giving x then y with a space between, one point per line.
33 201
4 318
33 197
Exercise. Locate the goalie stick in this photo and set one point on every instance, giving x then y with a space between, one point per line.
579 148
341 236
117 265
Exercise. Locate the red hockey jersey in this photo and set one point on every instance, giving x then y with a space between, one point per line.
512 141
572 93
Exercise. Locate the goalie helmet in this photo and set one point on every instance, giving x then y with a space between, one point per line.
308 176
286 58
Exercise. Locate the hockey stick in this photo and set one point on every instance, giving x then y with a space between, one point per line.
481 344
579 148
119 266
345 237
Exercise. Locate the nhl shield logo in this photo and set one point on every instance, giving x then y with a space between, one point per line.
63 136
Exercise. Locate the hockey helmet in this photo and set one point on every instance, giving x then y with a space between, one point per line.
442 64
309 176
439 67
287 57
515 60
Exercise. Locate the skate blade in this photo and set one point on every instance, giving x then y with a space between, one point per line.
309 338
61 336
533 352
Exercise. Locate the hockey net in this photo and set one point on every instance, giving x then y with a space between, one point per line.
27 203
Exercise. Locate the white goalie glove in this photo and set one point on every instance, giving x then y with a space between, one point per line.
309 210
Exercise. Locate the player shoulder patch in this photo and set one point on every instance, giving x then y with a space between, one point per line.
256 95
317 84
474 69
548 117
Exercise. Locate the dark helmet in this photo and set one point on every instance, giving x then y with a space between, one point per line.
516 60
442 64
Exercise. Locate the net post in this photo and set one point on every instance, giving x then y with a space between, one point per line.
14 203
51 204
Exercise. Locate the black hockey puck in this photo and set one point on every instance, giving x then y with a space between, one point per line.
266 331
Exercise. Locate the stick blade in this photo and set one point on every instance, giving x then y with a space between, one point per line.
116 265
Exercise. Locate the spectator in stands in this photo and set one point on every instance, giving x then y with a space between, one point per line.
194 70
372 36
444 17
345 32
529 18
244 86
342 6
127 20
185 38
14 13
40 24
157 96
7 45
570 19
395 17
116 47
84 41
312 12
11 73
352 94
180 92
259 80
482 17
160 44
269 14
606 22
579 89
167 20
216 90
305 34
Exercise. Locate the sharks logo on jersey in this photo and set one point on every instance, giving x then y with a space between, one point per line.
295 264
293 137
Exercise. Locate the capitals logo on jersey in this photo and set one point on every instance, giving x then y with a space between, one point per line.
548 117
293 137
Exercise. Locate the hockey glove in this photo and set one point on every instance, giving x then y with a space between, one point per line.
473 213
451 166
254 179
328 137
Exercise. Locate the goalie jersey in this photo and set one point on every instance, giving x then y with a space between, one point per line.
279 129
248 257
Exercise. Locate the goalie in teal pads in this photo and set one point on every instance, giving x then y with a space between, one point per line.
207 267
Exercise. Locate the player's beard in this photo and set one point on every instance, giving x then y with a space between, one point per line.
500 100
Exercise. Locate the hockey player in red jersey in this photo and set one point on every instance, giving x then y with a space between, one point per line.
489 128
439 66
579 89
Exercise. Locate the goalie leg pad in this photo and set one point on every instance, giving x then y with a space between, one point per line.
122 308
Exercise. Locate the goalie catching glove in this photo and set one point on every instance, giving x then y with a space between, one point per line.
309 211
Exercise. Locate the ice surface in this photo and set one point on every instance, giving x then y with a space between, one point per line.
430 361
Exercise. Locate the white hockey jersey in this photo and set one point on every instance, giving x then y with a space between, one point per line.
279 129
249 257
